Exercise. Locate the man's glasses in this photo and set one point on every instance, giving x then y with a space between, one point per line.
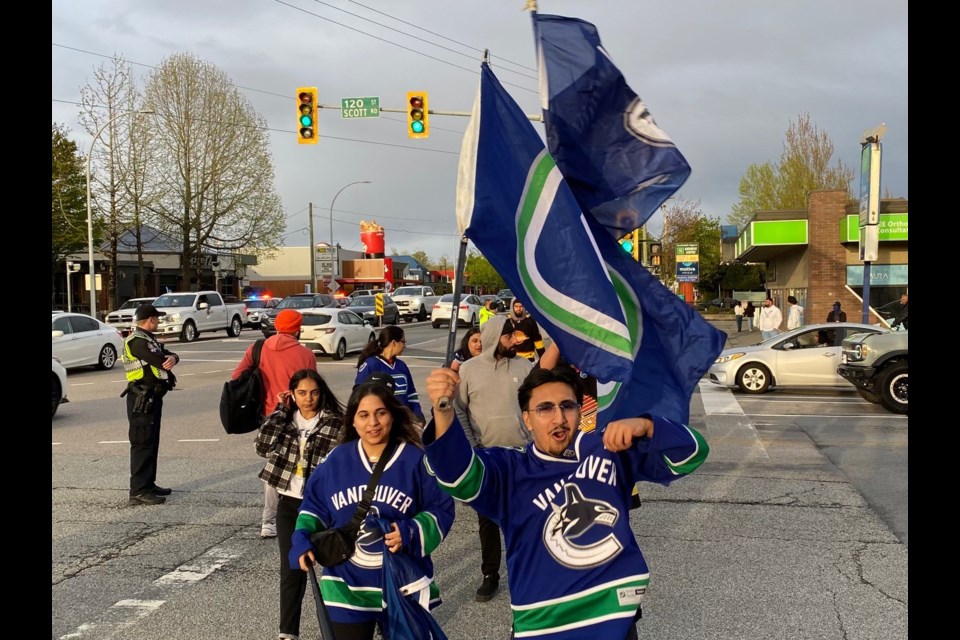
546 410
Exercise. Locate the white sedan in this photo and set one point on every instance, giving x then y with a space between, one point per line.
804 357
335 332
80 341
467 313
59 385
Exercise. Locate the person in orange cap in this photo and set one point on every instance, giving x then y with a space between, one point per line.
281 357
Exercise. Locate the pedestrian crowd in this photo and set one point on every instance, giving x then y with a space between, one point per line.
510 432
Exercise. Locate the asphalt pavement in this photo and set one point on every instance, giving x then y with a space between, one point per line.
766 540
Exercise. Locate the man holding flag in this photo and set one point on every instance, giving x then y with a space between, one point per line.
609 317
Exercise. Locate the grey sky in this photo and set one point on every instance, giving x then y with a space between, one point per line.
723 79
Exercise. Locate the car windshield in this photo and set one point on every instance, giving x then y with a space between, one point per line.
295 302
132 304
362 301
316 319
407 291
447 297
175 301
256 304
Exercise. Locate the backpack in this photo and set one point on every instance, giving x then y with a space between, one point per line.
242 398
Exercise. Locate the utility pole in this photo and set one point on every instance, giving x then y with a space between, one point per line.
313 250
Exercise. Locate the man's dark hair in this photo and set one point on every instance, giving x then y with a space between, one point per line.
539 377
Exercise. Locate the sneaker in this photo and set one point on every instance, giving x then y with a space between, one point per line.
488 587
160 491
145 498
268 530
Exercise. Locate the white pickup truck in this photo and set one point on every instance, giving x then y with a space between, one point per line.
188 313
415 302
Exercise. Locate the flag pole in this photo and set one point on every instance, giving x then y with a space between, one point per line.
455 312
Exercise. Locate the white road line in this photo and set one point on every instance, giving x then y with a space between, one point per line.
718 400
114 442
130 611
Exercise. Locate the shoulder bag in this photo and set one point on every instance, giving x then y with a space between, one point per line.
335 545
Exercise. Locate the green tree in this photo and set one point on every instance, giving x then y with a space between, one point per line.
804 166
68 213
480 273
684 222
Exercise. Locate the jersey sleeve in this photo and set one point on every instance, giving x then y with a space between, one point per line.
433 522
675 450
313 516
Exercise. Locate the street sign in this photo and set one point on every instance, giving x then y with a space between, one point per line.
359 108
378 304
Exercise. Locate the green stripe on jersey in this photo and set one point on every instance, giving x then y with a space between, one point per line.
576 611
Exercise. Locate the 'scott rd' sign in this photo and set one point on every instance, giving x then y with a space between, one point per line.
359 108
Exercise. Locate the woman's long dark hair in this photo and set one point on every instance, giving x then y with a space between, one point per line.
387 335
328 402
464 350
402 430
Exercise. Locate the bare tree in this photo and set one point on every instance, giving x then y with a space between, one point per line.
109 95
804 167
211 169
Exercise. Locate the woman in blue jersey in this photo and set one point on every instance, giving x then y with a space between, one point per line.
419 512
383 354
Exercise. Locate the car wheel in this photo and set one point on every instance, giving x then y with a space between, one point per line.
189 332
341 351
396 319
107 357
57 394
869 396
753 378
422 316
893 388
436 324
473 320
235 327
408 319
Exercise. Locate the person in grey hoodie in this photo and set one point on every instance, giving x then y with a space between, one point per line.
487 408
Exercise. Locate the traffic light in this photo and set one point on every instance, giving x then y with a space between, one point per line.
306 115
631 243
418 115
654 254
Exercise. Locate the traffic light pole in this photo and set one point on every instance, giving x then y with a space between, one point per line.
313 253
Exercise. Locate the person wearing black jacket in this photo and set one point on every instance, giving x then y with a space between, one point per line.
901 317
529 341
148 366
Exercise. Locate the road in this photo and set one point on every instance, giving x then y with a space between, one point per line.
196 566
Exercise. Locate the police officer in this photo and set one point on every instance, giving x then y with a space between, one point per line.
148 367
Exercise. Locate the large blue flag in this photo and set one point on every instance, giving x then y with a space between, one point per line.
619 164
606 313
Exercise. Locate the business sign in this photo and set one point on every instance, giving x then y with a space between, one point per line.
359 108
870 183
688 272
688 262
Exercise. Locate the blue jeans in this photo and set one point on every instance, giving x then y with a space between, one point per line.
769 334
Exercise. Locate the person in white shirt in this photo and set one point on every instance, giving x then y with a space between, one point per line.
769 320
738 314
794 314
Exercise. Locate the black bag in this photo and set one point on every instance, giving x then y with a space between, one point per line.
242 399
333 546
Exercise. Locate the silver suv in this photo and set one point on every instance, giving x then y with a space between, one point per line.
298 301
876 364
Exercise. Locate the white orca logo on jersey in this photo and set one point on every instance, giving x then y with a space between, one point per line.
575 518
367 539
638 121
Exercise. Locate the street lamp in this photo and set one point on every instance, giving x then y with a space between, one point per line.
335 199
93 279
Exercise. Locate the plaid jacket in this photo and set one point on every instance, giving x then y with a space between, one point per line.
278 441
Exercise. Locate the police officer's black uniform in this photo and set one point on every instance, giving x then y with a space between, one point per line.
147 383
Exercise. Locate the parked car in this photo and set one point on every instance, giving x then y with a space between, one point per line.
335 332
122 318
365 307
504 297
298 301
256 307
877 365
804 357
80 341
467 313
59 385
